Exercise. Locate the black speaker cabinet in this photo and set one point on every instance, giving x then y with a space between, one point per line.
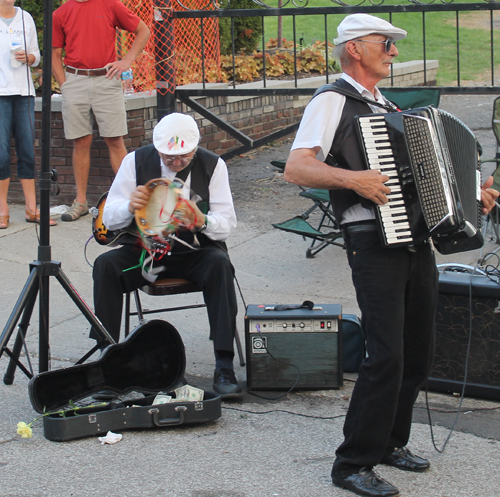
297 348
459 293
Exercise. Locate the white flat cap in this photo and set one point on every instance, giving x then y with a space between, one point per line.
176 134
359 25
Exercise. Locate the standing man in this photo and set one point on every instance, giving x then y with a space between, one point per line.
396 288
175 154
86 30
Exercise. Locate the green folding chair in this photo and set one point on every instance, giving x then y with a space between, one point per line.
327 231
411 98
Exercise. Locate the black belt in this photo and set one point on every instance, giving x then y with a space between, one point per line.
359 227
86 72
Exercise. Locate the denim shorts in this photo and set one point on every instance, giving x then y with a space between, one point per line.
18 120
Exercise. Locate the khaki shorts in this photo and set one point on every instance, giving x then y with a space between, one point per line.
85 97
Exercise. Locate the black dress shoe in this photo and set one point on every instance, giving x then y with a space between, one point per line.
365 482
402 458
225 384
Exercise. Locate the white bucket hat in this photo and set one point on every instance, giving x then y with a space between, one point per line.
176 134
359 25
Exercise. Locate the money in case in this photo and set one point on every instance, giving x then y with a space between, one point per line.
151 360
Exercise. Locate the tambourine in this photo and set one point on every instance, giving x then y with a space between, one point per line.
156 217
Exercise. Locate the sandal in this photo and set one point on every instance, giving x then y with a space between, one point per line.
76 211
4 222
35 218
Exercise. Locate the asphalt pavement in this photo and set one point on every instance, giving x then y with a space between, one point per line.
259 447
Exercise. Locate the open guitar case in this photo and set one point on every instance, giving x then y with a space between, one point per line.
150 360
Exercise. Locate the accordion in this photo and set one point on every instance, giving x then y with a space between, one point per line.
432 161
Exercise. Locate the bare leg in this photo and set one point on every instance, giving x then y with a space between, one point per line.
4 190
117 151
29 191
4 207
81 166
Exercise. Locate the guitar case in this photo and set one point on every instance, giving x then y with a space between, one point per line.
150 360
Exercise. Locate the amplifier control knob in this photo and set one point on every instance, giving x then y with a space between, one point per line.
302 325
284 325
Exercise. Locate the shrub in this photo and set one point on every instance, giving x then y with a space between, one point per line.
247 31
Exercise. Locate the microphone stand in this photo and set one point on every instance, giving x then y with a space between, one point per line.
42 269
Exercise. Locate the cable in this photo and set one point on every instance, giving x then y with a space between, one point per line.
285 412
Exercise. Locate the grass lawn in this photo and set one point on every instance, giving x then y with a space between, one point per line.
441 45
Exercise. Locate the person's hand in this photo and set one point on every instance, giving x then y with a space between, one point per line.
139 198
488 195
370 184
188 214
116 68
22 56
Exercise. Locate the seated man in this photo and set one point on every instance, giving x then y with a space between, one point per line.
175 153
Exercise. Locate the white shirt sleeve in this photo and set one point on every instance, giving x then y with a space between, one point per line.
319 123
32 43
221 215
116 214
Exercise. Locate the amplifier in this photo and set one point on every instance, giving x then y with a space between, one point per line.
297 348
459 294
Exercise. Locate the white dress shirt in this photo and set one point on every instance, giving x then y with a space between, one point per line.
221 216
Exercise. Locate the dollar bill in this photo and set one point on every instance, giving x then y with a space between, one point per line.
162 399
188 393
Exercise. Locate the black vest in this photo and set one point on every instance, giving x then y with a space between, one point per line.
346 151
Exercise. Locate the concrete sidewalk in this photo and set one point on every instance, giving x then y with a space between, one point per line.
258 448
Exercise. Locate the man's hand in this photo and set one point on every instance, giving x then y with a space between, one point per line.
488 195
116 68
139 198
370 184
189 215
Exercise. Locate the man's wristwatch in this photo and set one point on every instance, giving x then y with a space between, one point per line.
204 226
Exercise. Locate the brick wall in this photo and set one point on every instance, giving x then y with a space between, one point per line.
254 116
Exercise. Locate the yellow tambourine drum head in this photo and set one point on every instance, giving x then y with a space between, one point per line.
155 217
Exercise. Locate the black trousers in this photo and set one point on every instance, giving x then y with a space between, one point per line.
209 267
396 291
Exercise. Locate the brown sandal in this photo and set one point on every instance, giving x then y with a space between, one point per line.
35 218
4 222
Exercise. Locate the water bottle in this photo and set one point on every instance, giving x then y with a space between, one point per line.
128 82
16 44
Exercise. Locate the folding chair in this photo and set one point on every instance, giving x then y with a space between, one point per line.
327 231
411 98
168 286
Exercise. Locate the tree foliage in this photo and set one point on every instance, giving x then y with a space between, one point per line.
247 30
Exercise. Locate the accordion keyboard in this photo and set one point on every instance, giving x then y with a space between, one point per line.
393 214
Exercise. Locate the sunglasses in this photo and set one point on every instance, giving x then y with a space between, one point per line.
388 43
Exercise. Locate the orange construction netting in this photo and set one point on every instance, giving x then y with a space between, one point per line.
194 40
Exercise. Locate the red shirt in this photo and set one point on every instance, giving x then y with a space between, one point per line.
86 30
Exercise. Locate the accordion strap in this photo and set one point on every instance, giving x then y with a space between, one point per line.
390 107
